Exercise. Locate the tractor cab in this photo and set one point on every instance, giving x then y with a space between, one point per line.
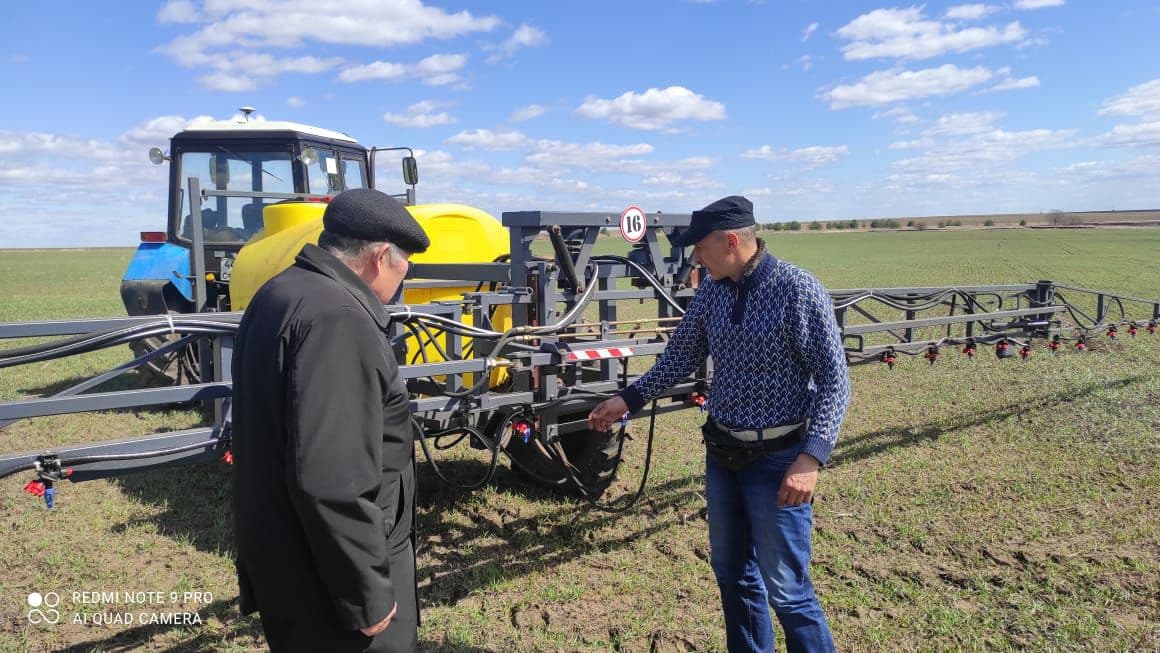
237 168
297 160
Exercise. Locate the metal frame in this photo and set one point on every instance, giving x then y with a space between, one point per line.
538 291
978 314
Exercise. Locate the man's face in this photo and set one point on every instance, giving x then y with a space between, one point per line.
712 252
389 269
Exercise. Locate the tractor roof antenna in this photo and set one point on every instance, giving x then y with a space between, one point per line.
246 111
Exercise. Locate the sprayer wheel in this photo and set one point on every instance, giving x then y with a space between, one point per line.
593 453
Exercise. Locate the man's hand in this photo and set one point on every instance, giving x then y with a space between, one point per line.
371 631
797 487
607 412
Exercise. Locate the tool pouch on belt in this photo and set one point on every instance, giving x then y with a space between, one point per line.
735 455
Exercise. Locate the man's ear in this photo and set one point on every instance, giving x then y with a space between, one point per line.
382 258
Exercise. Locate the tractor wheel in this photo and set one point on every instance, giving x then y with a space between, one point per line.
594 454
175 368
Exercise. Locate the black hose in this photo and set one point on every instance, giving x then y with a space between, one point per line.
89 342
646 275
564 257
492 444
632 499
113 457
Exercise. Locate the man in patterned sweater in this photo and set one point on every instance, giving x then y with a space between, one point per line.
779 392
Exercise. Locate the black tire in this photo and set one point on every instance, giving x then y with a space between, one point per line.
176 368
595 454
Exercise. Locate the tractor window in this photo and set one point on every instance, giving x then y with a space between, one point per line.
232 220
324 175
354 173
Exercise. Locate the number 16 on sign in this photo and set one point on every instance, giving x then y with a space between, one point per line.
632 224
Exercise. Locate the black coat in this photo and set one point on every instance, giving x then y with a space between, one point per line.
322 446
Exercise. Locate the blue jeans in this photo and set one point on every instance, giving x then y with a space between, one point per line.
761 556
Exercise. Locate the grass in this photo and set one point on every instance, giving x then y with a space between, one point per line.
972 505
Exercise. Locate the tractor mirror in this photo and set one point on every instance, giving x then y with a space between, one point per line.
410 171
156 156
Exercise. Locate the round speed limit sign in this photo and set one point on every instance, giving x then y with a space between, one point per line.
633 224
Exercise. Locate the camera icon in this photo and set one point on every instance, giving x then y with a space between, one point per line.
48 601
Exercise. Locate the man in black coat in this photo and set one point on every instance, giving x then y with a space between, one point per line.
323 491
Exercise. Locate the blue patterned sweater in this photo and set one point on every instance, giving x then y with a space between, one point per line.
777 353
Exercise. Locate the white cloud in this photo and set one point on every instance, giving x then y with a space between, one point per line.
900 114
1013 83
1038 4
1141 100
440 64
156 132
486 139
421 114
242 70
1138 135
804 188
295 101
528 113
1087 171
37 144
55 187
373 70
960 124
970 12
178 11
970 149
908 34
228 82
686 173
814 156
806 62
254 26
886 86
764 191
653 109
688 181
809 31
290 23
558 177
552 154
525 36
435 70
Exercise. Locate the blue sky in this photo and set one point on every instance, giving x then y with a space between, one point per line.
815 110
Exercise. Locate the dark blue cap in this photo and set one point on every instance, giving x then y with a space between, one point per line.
733 212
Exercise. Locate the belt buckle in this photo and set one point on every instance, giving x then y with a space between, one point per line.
751 435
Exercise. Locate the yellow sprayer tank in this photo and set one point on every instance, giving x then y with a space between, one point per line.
458 233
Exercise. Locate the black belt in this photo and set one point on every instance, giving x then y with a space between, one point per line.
735 454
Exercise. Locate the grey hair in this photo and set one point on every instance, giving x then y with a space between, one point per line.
353 249
746 234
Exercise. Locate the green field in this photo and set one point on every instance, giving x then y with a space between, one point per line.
985 505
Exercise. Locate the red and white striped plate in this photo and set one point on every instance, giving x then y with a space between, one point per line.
597 354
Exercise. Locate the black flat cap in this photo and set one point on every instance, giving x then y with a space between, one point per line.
374 216
733 212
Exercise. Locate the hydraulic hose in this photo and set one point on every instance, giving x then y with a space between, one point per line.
493 445
89 342
569 469
646 275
